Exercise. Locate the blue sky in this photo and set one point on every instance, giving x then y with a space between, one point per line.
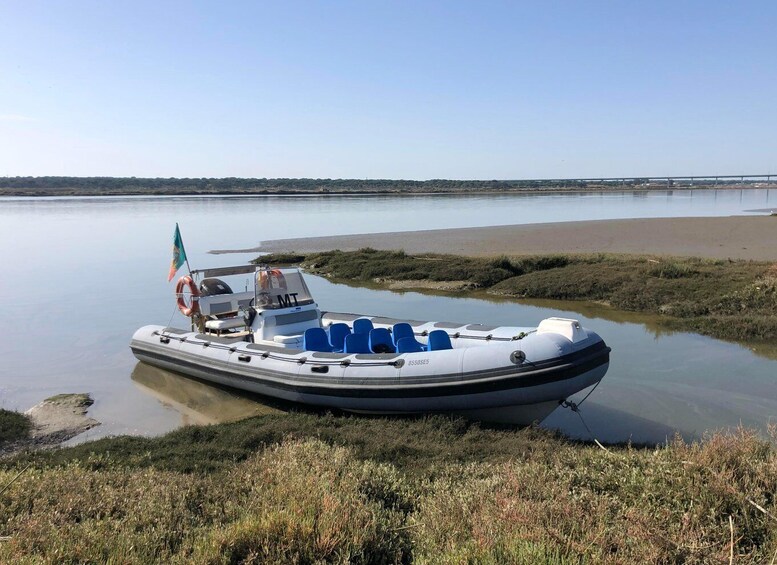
415 90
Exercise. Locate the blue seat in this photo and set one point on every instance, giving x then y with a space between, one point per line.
315 339
380 341
362 326
403 330
357 343
337 333
408 345
439 340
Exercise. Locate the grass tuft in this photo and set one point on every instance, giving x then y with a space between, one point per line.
279 259
13 426
78 399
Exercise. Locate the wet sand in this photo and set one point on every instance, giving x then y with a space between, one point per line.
736 237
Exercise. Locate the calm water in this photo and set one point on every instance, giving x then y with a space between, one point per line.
80 275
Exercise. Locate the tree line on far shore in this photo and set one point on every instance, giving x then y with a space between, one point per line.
136 185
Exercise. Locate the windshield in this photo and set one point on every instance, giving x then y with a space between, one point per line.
281 288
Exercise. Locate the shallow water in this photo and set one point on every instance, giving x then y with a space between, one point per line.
80 275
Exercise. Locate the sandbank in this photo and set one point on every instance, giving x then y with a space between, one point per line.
734 237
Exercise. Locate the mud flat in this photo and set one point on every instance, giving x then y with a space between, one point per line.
736 237
54 421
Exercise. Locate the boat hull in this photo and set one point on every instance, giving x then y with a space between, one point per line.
483 383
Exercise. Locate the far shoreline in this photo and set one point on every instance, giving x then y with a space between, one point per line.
77 192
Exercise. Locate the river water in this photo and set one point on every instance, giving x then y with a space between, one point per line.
81 274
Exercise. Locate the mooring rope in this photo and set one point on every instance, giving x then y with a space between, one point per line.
170 321
575 407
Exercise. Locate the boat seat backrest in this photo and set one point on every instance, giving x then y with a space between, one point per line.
401 330
439 340
409 345
337 335
315 339
357 343
380 341
362 326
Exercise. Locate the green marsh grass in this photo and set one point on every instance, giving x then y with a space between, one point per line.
346 489
719 298
13 426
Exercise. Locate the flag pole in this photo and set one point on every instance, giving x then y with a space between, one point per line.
183 248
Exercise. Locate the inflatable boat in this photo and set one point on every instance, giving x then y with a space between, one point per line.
275 341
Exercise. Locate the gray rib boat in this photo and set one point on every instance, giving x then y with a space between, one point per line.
275 341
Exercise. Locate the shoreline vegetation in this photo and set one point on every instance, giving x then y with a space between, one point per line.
727 299
132 186
307 488
14 427
313 487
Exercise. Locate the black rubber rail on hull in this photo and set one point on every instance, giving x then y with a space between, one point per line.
526 365
517 379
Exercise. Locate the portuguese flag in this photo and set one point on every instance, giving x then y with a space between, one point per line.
179 254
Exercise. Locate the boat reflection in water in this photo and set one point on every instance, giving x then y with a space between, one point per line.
199 402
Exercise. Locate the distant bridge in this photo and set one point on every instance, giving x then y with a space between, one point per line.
690 179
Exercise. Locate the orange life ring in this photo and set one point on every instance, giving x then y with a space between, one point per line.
187 309
271 279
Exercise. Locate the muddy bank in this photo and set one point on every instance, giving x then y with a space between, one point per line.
54 421
736 237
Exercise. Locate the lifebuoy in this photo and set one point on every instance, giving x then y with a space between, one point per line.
187 309
271 279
